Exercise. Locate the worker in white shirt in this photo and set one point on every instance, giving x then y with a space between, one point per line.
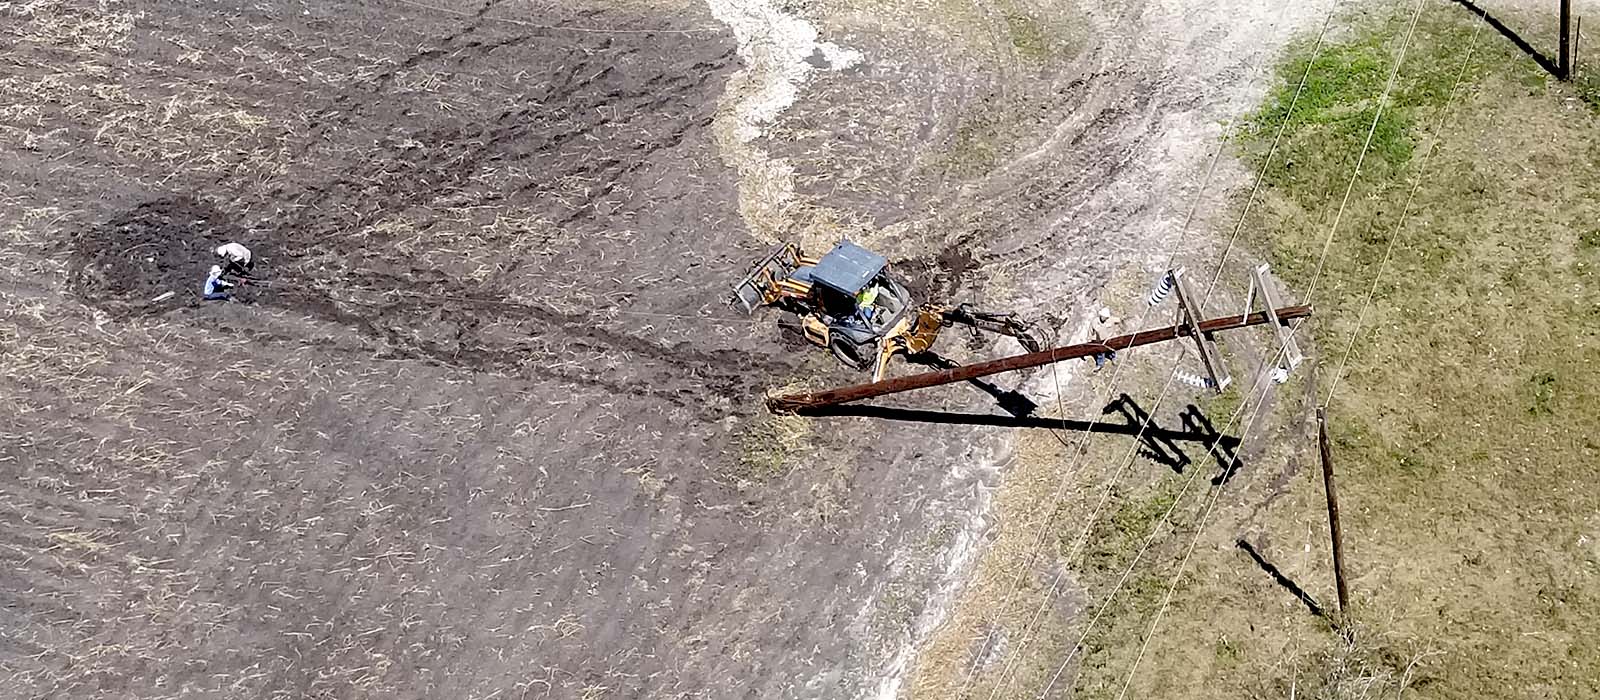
236 259
216 288
1106 326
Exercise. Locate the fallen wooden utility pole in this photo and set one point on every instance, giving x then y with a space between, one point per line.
800 403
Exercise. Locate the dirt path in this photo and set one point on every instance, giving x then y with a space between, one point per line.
1100 187
487 429
780 51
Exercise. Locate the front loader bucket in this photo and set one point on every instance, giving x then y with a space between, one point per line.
759 287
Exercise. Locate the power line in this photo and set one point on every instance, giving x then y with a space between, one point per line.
1205 515
1105 604
1332 230
1171 376
1279 135
1361 159
1388 251
1080 448
1110 483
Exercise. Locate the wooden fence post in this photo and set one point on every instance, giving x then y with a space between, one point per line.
1566 39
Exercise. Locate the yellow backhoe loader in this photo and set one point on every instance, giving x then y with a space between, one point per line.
847 301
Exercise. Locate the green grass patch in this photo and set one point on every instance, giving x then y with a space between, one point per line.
1029 38
1109 649
1004 33
1462 424
1223 409
1326 100
1590 239
1022 47
1114 541
1586 82
980 139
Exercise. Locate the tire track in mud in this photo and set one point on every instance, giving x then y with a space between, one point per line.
1106 158
563 346
780 51
1107 163
601 115
364 100
179 234
585 100
1116 98
526 136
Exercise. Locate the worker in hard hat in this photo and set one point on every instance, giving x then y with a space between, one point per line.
1106 326
865 302
236 259
216 288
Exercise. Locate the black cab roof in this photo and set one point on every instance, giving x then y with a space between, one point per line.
848 268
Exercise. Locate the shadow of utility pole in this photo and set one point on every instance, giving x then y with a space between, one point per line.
1156 443
1010 401
1545 62
1284 581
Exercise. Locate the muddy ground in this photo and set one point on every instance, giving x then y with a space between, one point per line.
475 432
485 427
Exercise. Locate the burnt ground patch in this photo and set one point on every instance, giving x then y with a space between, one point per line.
938 277
165 245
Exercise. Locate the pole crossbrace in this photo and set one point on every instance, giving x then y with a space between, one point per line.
1192 313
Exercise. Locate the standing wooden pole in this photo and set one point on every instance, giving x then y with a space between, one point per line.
1566 39
1333 510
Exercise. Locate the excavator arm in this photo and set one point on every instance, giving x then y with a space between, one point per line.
917 332
999 324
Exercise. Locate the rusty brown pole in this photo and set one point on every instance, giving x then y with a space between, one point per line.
1566 39
799 403
1333 510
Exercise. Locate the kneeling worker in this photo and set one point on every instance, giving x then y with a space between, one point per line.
236 259
216 288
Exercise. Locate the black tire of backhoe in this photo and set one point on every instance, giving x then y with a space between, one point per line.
848 358
1041 334
1030 342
